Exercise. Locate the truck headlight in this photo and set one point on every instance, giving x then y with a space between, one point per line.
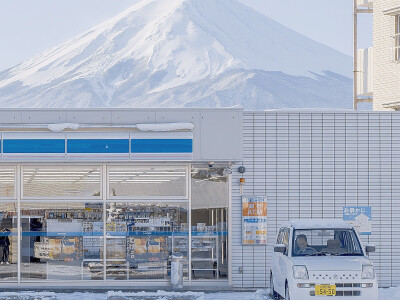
368 272
300 272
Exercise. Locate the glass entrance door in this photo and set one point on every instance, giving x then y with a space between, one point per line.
209 223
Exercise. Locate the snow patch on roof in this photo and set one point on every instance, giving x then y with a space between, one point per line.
61 126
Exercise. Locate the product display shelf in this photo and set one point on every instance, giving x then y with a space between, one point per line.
148 258
179 244
142 228
117 269
92 248
205 255
148 270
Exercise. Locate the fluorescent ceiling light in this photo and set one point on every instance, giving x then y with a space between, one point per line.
61 171
172 172
169 175
124 172
148 180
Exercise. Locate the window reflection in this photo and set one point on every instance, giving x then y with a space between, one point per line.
8 241
7 185
141 238
61 241
147 181
61 182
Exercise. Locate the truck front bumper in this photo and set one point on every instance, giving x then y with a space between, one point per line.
304 290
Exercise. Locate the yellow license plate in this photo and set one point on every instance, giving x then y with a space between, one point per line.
325 290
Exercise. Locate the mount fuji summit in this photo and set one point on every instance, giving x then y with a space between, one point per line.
183 53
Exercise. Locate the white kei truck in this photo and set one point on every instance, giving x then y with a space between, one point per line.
321 258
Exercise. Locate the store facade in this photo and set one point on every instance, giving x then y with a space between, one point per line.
105 197
101 197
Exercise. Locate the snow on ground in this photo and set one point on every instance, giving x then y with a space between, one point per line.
389 294
384 294
159 295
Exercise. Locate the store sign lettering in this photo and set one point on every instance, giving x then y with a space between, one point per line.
360 217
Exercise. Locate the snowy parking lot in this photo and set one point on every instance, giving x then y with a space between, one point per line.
384 294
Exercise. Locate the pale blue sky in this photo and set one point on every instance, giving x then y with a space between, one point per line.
28 27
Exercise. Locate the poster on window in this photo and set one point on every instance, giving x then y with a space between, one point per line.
144 250
254 220
359 217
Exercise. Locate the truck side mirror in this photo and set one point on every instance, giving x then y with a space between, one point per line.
281 248
370 248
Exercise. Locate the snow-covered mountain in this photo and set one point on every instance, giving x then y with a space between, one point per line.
183 53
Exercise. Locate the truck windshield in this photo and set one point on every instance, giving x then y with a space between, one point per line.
319 242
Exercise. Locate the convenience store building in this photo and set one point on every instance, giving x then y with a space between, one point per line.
103 197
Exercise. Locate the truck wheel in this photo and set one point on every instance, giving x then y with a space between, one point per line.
272 293
287 294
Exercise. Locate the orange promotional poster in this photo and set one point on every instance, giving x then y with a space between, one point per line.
254 220
255 209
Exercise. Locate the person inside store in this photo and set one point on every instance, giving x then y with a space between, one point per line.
35 225
4 246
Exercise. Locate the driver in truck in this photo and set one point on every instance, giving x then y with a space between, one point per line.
302 244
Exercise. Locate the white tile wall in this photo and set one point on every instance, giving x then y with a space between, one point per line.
310 165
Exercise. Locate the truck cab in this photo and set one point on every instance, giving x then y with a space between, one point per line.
324 258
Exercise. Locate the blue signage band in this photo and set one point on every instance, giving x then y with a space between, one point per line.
87 146
34 146
162 146
97 146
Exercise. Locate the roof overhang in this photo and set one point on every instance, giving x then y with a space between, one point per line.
394 11
392 105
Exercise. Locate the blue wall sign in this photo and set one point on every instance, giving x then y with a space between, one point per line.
359 217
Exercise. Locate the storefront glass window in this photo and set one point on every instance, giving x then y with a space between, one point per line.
144 181
8 241
141 238
64 239
7 183
61 241
210 194
66 182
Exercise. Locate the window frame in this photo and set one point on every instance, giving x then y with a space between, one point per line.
286 232
47 203
14 279
396 38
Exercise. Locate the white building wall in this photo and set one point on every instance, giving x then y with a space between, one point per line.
310 165
364 77
386 73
